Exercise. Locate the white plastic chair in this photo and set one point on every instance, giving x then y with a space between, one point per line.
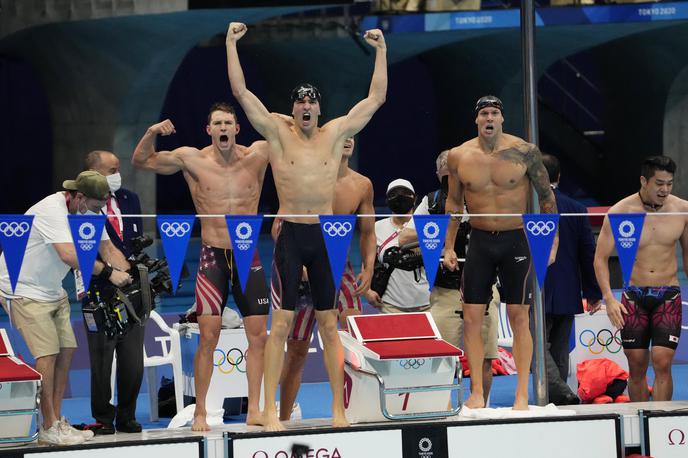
171 354
505 336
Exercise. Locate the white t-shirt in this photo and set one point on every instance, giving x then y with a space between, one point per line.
403 290
42 271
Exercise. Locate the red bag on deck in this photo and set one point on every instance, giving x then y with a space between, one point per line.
595 375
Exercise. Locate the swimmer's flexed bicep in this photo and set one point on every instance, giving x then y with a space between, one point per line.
257 114
145 156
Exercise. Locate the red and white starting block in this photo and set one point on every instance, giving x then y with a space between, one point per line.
19 391
397 367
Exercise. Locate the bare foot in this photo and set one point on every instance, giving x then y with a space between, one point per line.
199 423
520 404
475 401
254 418
272 423
340 422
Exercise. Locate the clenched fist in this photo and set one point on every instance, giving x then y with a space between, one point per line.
375 38
235 31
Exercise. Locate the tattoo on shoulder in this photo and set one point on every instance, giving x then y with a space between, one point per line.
536 171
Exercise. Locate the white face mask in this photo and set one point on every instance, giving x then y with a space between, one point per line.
114 181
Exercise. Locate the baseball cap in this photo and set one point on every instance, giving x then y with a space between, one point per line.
400 183
489 101
90 183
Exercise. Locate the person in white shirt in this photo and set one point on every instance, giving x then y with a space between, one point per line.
407 290
39 308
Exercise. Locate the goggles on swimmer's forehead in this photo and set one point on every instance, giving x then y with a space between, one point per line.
305 90
489 101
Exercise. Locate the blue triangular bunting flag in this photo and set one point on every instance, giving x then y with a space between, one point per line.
86 233
627 228
540 229
431 230
14 234
337 231
175 231
243 232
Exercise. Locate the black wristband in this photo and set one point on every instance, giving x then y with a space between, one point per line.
105 273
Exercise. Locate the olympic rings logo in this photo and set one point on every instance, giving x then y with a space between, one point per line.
14 229
604 338
175 229
412 363
337 229
626 228
540 227
229 361
431 230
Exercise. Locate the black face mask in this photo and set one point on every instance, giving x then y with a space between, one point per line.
400 205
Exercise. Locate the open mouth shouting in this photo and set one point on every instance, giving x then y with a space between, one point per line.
224 141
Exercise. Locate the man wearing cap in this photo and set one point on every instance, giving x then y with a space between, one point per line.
39 307
121 229
493 173
407 291
305 160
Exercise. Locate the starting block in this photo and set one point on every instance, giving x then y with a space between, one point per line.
19 391
397 367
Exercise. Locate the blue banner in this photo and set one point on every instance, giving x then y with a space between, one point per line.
86 233
243 232
14 233
337 231
431 230
626 229
175 231
540 230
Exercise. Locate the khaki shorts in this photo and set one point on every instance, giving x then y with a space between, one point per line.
45 325
446 305
389 308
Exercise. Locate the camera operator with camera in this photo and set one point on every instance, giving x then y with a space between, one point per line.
39 307
399 283
124 335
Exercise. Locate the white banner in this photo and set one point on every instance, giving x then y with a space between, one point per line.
668 436
378 444
539 439
181 450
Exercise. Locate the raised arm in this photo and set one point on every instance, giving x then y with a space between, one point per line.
367 242
163 162
364 110
257 114
453 205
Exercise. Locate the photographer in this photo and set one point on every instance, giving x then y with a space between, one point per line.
129 345
407 287
39 307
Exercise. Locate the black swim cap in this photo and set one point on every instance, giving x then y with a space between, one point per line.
305 90
488 101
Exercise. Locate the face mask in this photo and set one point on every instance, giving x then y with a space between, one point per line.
400 205
85 210
114 181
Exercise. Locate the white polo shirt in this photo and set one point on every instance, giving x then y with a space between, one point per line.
42 271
